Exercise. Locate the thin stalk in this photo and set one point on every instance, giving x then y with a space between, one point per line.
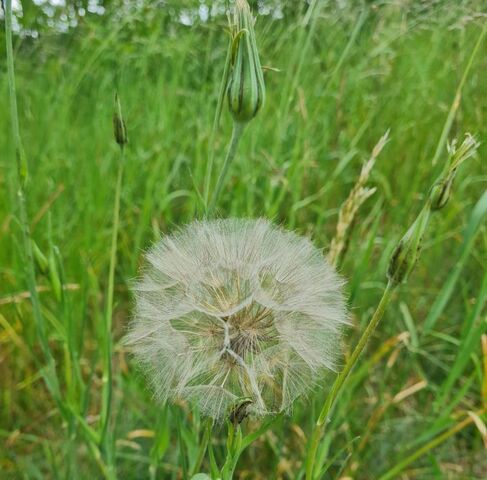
237 132
106 441
456 100
236 444
233 451
341 378
203 446
24 218
216 122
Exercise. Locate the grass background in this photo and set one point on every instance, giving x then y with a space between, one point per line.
348 71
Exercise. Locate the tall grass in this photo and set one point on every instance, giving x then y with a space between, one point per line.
345 74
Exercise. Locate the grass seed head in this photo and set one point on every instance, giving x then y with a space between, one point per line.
232 309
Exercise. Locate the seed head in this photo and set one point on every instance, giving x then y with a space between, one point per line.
246 89
236 309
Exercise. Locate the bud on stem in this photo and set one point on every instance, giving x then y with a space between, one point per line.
119 128
407 251
441 190
246 89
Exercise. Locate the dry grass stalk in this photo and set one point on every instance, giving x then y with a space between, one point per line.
357 196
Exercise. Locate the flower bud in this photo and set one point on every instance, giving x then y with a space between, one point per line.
246 89
441 190
440 193
119 128
407 251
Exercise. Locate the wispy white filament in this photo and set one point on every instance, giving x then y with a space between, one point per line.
234 308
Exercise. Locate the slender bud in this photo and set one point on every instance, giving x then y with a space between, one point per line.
407 251
246 89
441 190
440 193
119 128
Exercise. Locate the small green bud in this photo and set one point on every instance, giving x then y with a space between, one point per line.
408 249
246 89
441 190
440 193
119 128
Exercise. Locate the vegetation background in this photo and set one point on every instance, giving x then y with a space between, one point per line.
347 71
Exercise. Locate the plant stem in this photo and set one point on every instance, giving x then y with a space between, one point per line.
106 441
24 218
233 451
216 121
203 446
237 131
456 100
341 378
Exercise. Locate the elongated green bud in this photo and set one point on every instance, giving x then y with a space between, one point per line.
440 193
407 251
119 128
441 190
246 89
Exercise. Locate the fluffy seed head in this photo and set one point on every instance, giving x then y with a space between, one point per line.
232 309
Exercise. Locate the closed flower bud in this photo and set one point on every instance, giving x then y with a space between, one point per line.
440 193
246 89
119 128
407 251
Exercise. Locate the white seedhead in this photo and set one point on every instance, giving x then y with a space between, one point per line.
232 309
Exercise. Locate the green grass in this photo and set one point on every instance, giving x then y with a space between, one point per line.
346 75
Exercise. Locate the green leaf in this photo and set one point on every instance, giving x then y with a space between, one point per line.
476 218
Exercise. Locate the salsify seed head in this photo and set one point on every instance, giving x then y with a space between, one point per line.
232 309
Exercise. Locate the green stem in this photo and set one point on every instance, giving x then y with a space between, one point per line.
203 446
106 441
237 131
24 218
233 451
216 120
341 378
456 100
